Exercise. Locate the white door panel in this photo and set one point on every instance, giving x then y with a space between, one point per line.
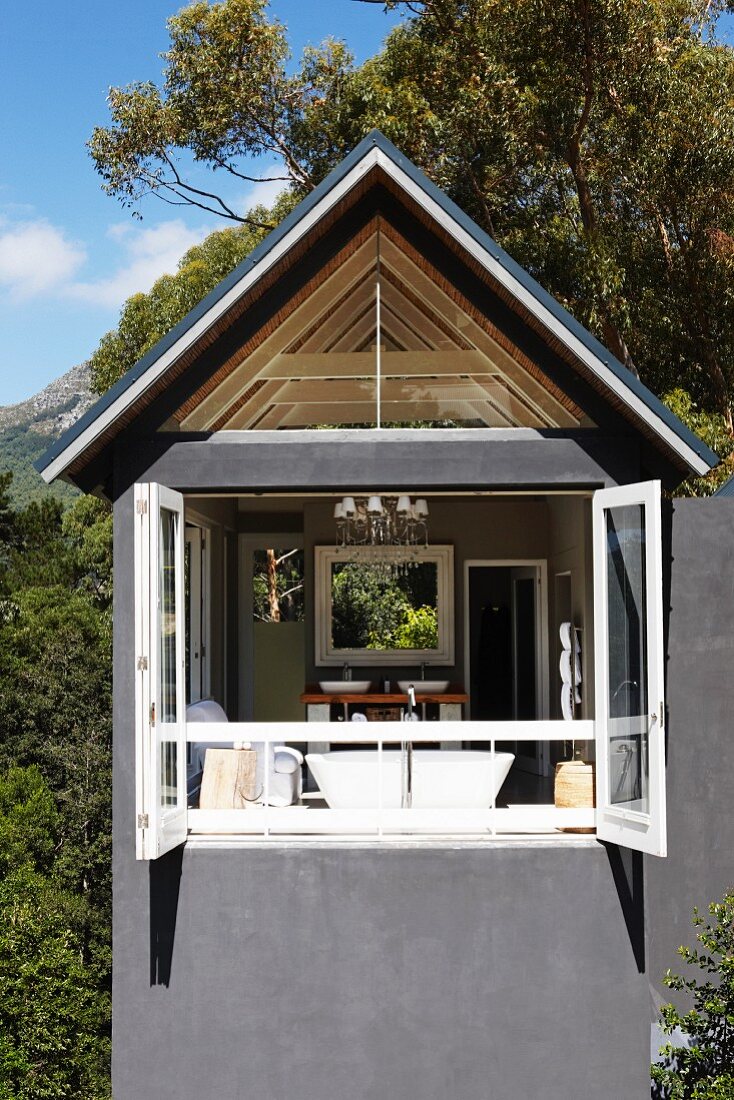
160 702
629 671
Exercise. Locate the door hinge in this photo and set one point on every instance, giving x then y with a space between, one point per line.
662 714
152 714
143 821
141 507
142 664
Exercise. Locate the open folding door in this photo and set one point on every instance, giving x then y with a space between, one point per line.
628 657
160 690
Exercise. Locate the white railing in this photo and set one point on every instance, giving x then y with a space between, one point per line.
378 822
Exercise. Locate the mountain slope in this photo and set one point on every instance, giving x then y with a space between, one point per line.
28 428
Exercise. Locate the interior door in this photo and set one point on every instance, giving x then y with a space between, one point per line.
160 696
527 686
628 657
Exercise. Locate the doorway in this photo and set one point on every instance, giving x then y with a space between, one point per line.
272 627
506 649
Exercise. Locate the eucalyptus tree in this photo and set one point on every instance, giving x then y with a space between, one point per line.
594 139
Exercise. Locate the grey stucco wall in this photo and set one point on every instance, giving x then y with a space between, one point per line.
359 974
700 741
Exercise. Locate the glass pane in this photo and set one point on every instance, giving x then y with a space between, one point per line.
375 608
187 613
627 669
169 774
277 586
167 587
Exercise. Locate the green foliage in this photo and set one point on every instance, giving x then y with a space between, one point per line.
55 656
418 630
55 813
711 427
704 1068
373 611
29 820
596 143
53 1017
20 446
363 606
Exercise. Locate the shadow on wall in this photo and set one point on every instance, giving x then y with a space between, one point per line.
165 881
627 870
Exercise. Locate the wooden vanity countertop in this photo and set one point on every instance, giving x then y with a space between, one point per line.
314 694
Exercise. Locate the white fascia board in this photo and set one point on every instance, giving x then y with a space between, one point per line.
543 314
161 365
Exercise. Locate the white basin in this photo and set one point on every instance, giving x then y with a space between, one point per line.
345 687
425 687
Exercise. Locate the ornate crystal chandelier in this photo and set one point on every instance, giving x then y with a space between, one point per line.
370 526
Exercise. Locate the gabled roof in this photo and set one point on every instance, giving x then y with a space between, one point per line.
118 407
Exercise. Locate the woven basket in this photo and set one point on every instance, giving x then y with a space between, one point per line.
383 714
574 788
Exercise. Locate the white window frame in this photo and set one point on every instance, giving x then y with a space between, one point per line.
158 829
645 832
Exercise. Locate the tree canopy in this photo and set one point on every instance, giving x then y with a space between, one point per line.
594 139
55 812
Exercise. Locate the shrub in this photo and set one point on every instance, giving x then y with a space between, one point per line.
704 1068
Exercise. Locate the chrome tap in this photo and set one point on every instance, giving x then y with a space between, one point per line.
406 757
346 671
423 670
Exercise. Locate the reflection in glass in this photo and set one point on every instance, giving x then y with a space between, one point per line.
169 774
371 609
628 659
167 589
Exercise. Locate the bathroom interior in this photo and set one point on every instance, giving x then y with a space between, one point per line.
276 634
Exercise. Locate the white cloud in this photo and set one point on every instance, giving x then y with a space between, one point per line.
263 193
36 257
147 254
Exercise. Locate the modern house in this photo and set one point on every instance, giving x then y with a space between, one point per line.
380 474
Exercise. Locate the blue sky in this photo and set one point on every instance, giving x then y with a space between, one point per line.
69 254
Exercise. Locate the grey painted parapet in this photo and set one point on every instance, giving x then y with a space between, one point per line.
433 974
440 459
700 742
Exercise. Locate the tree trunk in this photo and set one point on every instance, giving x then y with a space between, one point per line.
273 602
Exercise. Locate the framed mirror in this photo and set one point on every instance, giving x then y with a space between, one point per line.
385 612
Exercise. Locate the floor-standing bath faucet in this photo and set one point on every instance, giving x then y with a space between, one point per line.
406 758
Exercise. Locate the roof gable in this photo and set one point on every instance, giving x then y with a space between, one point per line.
376 157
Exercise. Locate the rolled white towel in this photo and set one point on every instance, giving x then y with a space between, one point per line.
359 717
287 760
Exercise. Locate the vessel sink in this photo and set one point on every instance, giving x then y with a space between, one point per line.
424 687
345 687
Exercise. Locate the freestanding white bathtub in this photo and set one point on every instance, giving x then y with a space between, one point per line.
445 780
